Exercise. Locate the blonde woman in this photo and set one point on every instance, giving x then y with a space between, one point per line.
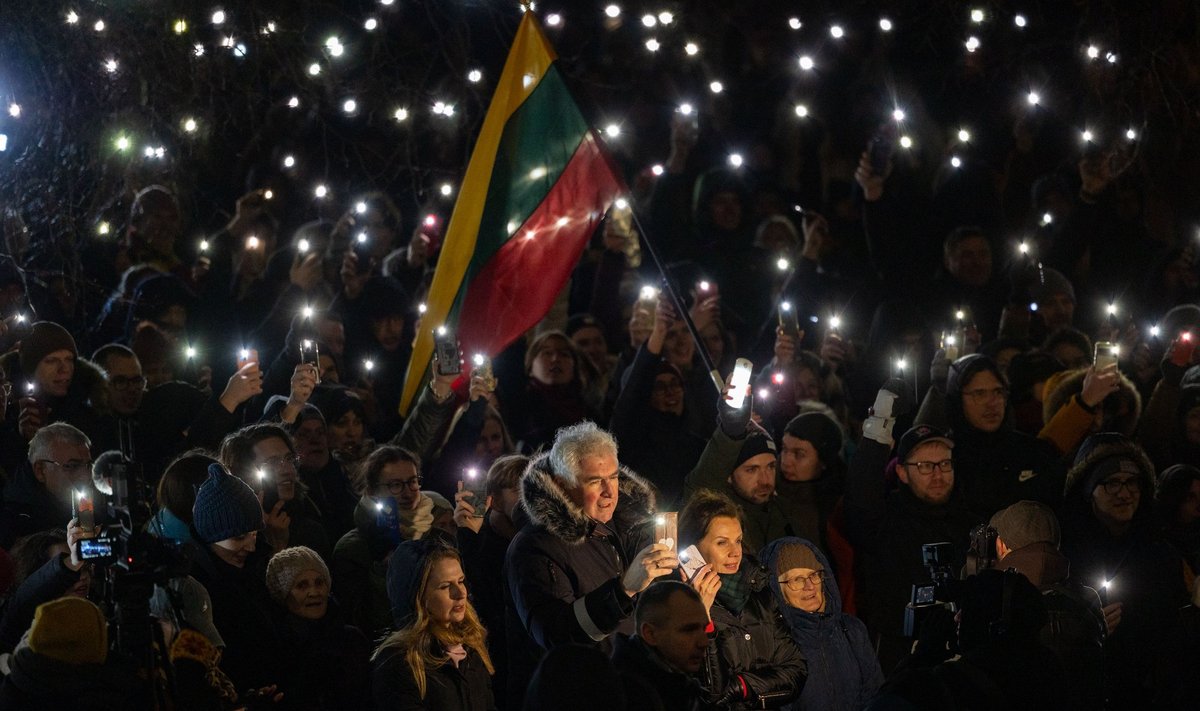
438 660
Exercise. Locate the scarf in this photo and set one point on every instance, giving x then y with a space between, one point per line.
735 592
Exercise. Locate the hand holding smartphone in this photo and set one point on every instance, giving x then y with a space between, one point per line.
690 562
475 482
666 528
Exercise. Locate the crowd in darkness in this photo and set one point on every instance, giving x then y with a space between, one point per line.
964 473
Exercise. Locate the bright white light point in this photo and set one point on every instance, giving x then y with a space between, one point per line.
901 363
511 227
198 49
649 20
474 76
370 24
1023 248
526 80
337 50
308 312
612 10
653 45
110 66
898 114
1154 331
361 238
1093 51
835 322
794 23
836 32
148 151
180 26
103 228
360 207
190 125
906 142
401 114
218 17
72 17
562 221
1112 58
159 152
1020 21
956 161
1086 135
806 63
99 26
716 87
763 393
960 315
782 264
1131 134
621 203
252 242
977 16
612 130
972 43
735 159
801 110
303 245
422 308
122 143
332 42
385 3
665 17
785 306
537 173
446 189
191 352
964 135
657 169
289 161
349 106
321 191
294 102
691 49
885 24
314 69
553 19
686 109
1033 98
530 234
1112 309
1047 218
14 110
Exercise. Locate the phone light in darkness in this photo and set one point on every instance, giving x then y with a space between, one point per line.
1023 248
30 387
431 220
648 293
269 195
303 246
660 520
1033 306
739 383
360 207
203 245
782 264
704 286
763 393
959 315
901 364
379 506
20 318
368 365
252 242
472 473
422 308
244 354
441 330
190 352
835 322
478 359
361 238
1186 336
1154 331
1111 309
777 378
262 475
785 305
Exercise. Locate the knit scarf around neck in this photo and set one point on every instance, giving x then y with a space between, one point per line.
734 592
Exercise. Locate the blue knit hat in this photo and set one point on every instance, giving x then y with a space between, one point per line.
226 507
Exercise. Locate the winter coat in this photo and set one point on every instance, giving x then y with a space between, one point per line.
483 556
888 530
29 507
1068 421
761 523
49 582
330 490
322 665
564 569
658 444
85 405
753 649
360 573
465 687
1145 573
39 683
673 690
843 673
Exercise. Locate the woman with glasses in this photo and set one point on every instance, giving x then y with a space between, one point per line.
843 672
392 508
752 661
1109 535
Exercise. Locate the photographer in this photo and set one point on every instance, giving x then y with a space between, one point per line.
64 574
888 528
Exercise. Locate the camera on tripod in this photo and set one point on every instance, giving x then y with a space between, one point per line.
937 593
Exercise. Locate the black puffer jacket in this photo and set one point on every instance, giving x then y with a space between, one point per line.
85 405
465 687
752 649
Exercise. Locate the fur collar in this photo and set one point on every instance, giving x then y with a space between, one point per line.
550 507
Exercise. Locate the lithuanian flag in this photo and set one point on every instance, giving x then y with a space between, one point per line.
536 188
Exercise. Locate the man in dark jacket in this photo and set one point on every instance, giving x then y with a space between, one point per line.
889 528
668 649
574 570
38 498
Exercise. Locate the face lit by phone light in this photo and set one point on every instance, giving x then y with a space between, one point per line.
721 545
236 550
273 457
554 362
54 373
309 597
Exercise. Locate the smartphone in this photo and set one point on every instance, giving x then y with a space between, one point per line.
950 345
690 561
738 382
881 148
431 227
1105 354
246 356
387 518
310 354
1185 346
706 289
445 345
83 509
788 321
475 482
666 528
361 246
483 367
647 298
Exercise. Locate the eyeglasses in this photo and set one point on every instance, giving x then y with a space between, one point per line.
796 584
123 383
71 466
399 485
671 387
277 463
946 465
986 394
1113 487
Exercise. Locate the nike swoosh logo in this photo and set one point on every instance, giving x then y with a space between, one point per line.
1027 475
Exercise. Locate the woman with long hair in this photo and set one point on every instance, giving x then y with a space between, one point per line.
438 659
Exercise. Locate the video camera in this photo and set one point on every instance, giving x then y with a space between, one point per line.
982 553
939 592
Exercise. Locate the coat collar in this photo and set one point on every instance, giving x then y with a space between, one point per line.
548 505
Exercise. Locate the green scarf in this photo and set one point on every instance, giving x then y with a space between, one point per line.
734 592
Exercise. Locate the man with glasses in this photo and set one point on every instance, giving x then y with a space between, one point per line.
126 384
888 525
38 497
264 457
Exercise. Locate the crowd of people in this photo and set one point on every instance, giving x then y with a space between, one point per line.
854 446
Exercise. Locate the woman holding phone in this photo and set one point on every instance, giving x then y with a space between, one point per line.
752 661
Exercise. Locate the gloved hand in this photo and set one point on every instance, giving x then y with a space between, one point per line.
939 370
734 691
733 421
889 403
415 523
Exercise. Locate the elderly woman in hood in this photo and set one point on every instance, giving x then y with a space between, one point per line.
843 672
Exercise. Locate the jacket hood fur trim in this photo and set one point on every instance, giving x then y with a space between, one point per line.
549 505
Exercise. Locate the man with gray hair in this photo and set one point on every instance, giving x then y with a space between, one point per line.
38 497
574 571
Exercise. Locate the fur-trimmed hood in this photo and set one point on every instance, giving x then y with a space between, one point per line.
87 385
549 506
1061 386
1095 449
